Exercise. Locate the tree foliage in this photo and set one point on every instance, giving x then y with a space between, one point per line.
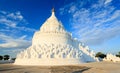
13 59
118 55
100 55
1 57
6 57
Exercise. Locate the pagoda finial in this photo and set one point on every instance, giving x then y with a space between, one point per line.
53 10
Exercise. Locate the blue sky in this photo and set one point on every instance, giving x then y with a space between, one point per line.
94 22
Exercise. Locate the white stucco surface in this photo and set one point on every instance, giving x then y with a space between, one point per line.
53 45
111 57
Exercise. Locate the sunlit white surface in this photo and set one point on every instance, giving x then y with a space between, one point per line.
113 58
53 45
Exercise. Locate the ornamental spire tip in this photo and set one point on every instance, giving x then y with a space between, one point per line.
53 10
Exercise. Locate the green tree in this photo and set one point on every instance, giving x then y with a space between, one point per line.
118 55
6 57
100 55
1 57
13 59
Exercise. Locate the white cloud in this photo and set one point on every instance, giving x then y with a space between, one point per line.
26 29
23 37
11 42
13 35
3 12
72 9
7 22
96 24
98 36
16 15
12 20
107 1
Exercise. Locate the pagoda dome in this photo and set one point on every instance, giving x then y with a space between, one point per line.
52 24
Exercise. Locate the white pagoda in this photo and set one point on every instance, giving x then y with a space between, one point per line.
53 45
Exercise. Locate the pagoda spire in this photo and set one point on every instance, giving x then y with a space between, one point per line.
53 10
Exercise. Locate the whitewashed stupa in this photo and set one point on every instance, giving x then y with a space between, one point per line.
53 45
112 58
